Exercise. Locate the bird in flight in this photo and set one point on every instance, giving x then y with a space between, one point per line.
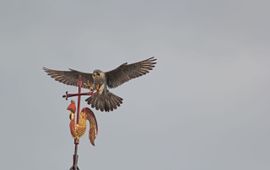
100 81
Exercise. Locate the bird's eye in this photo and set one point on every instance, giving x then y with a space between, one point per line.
97 74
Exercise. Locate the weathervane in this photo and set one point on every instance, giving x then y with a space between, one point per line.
77 123
99 97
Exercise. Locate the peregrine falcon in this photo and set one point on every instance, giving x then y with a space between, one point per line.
100 81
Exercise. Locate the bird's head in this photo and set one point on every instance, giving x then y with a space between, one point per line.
98 74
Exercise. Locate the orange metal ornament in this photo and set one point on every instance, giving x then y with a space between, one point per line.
77 130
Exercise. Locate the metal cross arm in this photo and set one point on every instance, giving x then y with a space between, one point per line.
68 95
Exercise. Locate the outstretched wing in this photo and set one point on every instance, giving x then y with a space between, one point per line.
126 72
70 77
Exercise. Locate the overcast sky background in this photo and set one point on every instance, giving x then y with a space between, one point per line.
204 107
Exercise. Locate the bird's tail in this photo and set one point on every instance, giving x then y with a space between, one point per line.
106 101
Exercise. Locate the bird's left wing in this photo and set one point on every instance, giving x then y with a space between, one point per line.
70 77
126 72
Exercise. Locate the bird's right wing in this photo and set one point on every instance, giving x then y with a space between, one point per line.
70 77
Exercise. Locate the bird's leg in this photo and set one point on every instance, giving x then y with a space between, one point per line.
90 85
92 88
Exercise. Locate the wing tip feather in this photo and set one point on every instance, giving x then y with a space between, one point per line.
45 69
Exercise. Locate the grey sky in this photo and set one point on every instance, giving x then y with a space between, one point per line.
204 107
